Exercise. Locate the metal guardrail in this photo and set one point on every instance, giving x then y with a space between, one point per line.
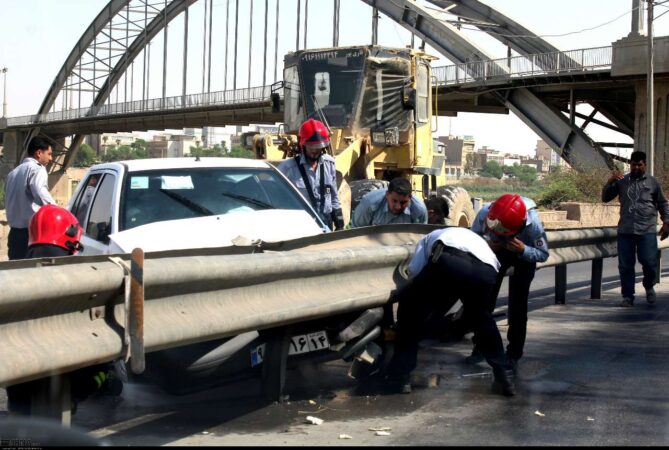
62 314
541 64
230 97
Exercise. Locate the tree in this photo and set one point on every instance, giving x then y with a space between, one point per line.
85 157
492 169
125 152
237 151
525 174
216 150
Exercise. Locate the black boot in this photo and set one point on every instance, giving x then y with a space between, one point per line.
501 383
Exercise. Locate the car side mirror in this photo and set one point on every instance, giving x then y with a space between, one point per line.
409 98
275 98
104 230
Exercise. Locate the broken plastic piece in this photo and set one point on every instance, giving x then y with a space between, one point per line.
314 420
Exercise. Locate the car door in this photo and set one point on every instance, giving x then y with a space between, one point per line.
95 210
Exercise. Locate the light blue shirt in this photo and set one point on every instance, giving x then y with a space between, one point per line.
326 162
373 210
26 190
456 237
533 235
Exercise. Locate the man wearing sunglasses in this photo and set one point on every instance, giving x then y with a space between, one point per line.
513 230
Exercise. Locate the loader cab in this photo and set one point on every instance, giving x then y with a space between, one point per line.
377 90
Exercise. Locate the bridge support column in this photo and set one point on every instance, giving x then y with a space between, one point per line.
630 59
661 94
13 151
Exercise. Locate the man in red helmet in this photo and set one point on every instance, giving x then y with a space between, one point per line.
313 173
54 231
513 229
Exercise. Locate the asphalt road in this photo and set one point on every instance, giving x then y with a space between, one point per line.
593 374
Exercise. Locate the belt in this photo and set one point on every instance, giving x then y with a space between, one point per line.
439 248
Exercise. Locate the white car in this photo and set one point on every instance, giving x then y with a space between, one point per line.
177 203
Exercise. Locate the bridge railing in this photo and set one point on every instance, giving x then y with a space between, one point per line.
229 97
541 64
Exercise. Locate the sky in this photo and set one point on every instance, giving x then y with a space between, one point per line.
36 36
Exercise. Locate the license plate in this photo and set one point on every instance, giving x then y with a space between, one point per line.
302 343
305 343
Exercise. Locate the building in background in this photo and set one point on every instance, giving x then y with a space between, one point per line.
101 142
458 152
552 158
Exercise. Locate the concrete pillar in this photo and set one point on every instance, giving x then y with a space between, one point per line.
13 151
661 94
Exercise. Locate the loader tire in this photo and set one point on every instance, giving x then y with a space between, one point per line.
460 209
361 187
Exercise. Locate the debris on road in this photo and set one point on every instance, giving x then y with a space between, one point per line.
539 413
590 419
311 402
380 429
345 436
382 433
314 420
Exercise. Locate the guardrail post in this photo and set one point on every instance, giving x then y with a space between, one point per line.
274 364
560 284
136 319
596 281
52 398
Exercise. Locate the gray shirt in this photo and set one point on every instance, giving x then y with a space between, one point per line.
640 200
326 163
26 190
373 210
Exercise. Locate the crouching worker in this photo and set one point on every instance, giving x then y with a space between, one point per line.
54 231
449 264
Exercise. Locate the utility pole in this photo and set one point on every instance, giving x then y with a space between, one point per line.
651 96
4 93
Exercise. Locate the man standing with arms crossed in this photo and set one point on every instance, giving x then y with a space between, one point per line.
26 190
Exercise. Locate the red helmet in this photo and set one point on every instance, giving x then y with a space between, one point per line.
54 225
506 215
314 134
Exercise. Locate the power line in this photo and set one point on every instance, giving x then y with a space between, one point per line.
488 31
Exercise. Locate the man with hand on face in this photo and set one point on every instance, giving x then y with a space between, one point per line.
313 173
513 230
641 198
393 205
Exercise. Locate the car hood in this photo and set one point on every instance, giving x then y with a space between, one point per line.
238 228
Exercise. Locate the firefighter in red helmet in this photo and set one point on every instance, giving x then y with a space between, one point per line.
313 173
54 231
513 229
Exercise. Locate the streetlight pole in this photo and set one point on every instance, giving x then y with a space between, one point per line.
651 96
4 93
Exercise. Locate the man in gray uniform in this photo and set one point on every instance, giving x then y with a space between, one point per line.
394 205
314 173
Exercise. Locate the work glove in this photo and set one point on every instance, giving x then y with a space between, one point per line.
338 219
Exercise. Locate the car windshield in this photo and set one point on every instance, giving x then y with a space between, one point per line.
170 194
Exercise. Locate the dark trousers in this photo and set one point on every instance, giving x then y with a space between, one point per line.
519 291
644 247
455 275
17 243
